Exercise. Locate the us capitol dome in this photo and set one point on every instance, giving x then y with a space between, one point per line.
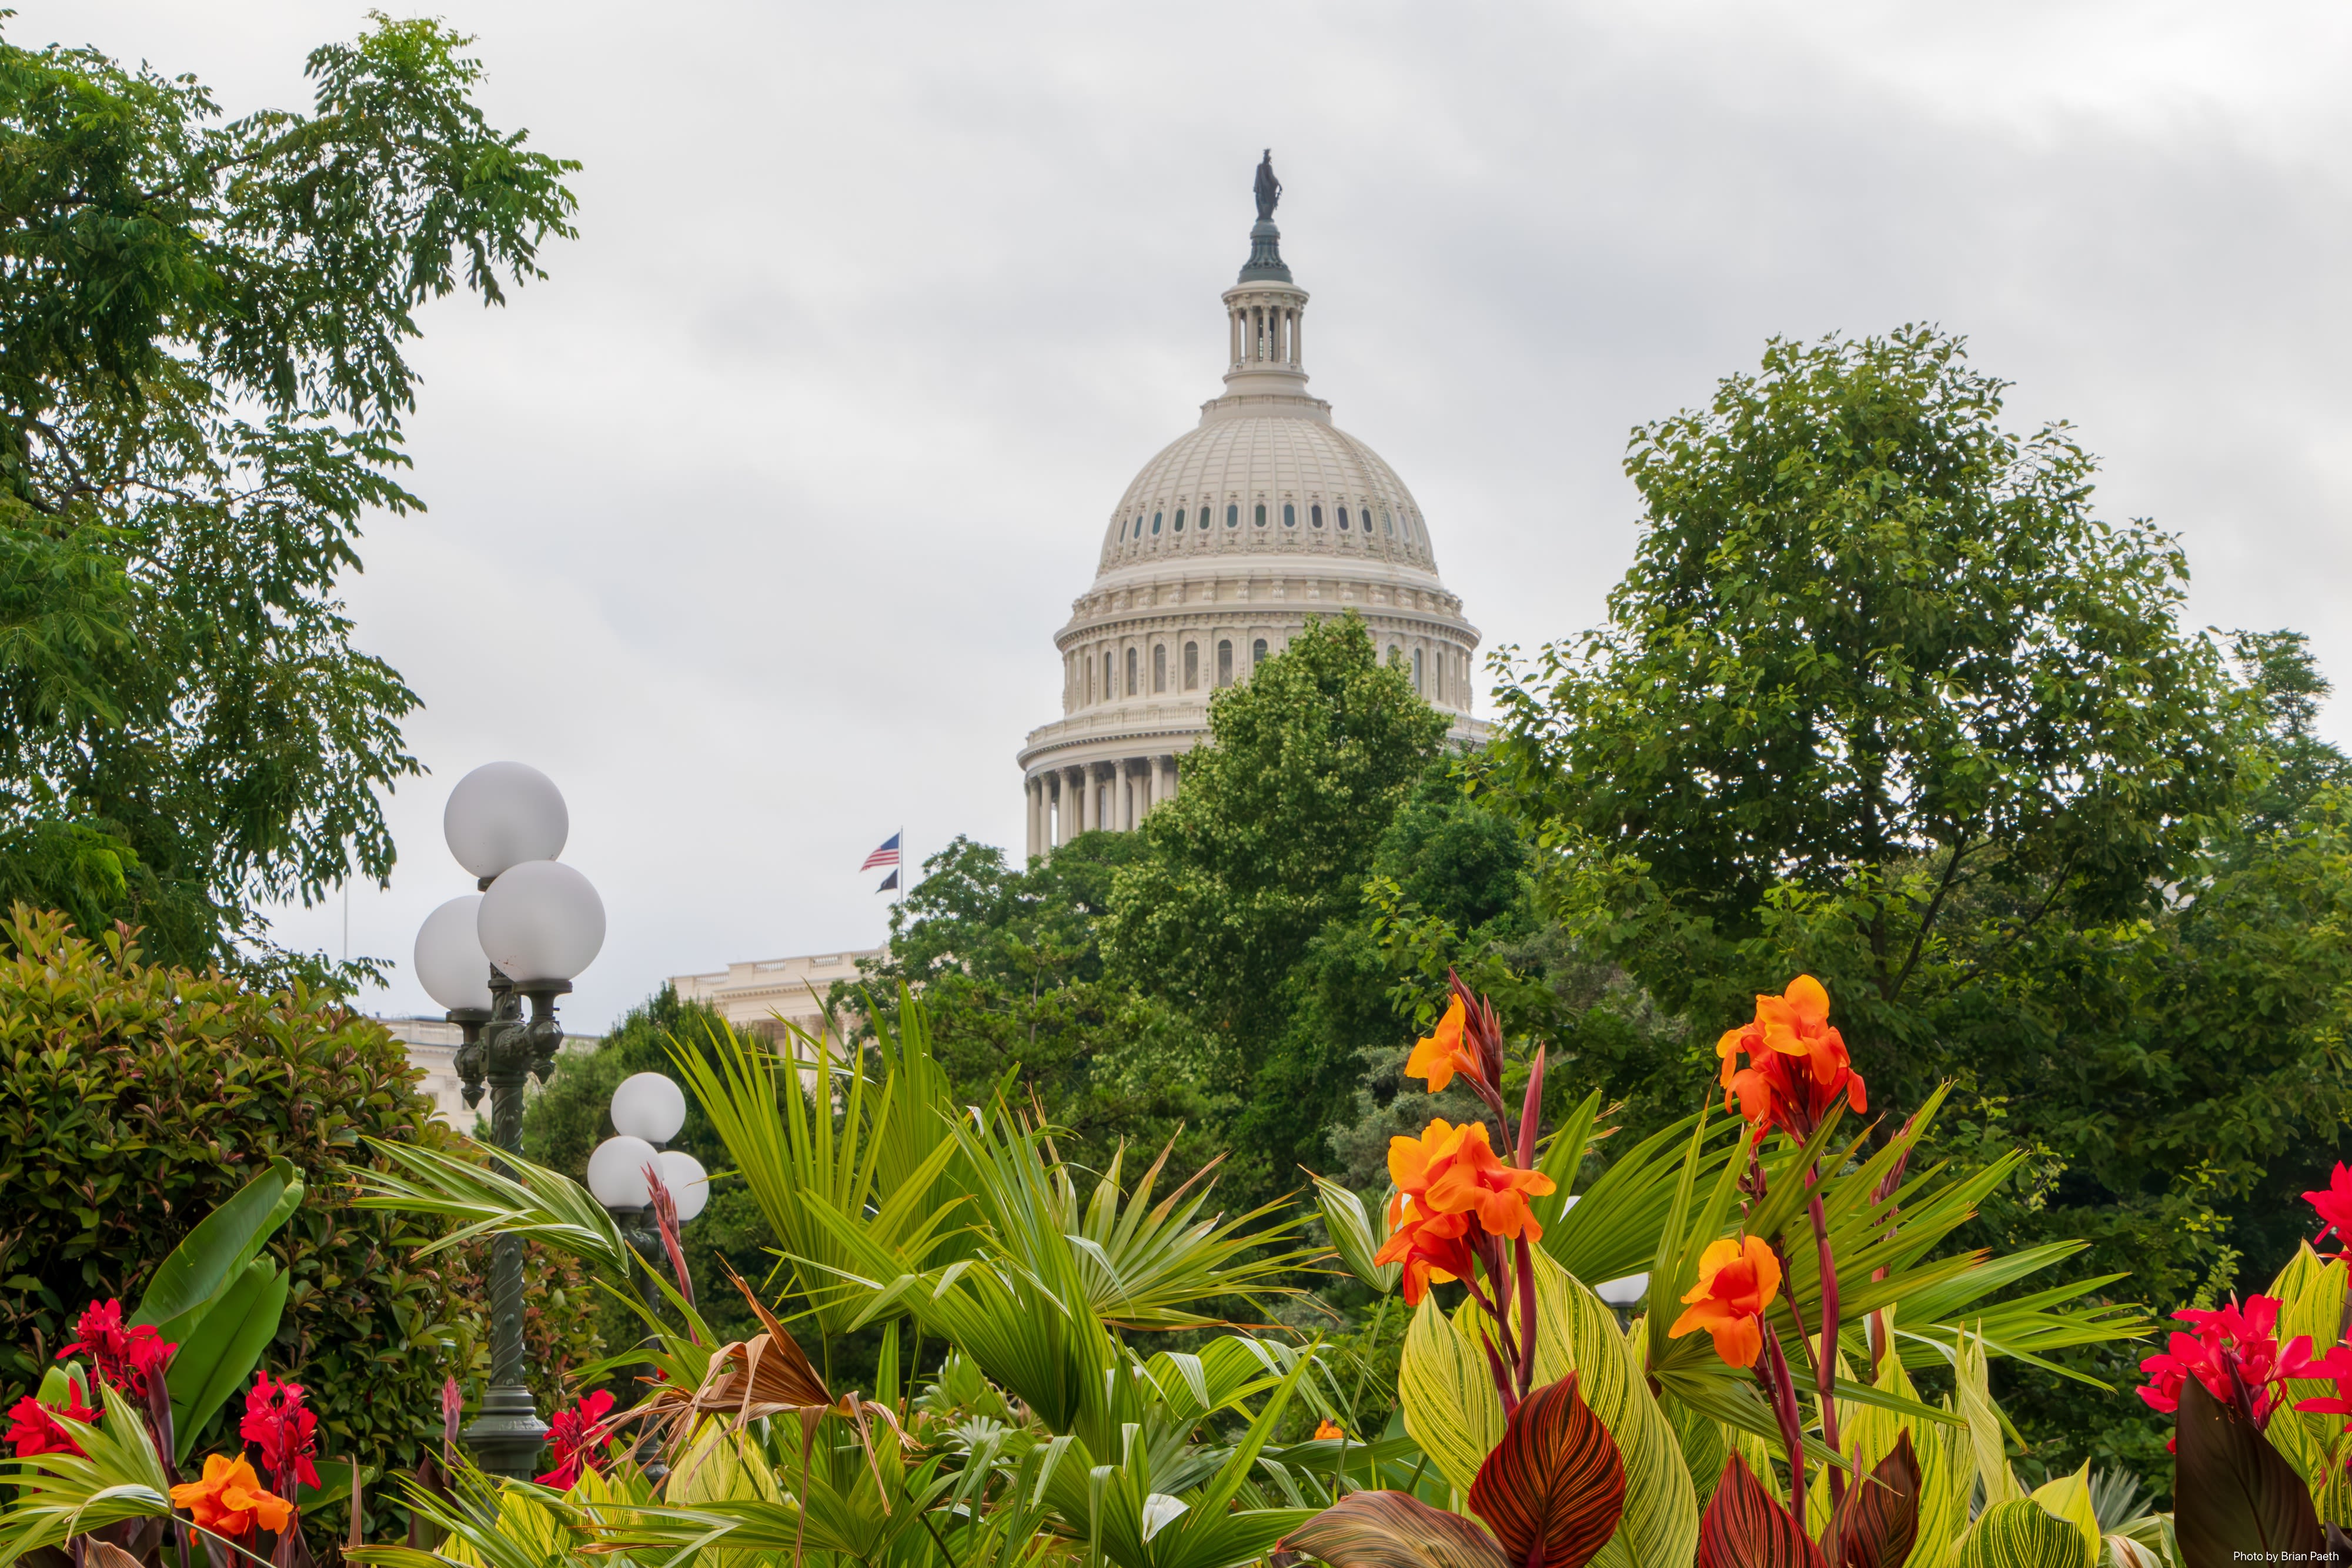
1228 540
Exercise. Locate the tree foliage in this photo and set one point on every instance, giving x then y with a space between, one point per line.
1265 848
1878 664
1009 962
207 322
1885 700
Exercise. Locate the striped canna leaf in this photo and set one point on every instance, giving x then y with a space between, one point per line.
1554 1489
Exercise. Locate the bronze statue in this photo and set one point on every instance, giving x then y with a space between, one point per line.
1269 189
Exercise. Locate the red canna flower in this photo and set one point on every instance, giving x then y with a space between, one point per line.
37 1429
2335 1207
282 1427
578 1436
1796 1064
228 1500
128 1359
2234 1353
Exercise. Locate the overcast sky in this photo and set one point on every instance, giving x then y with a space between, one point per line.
754 523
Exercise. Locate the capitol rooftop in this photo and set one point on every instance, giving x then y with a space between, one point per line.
1241 529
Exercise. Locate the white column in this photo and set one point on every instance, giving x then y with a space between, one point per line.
1029 805
1298 351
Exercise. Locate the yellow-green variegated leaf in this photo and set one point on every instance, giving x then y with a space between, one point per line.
2022 1533
1972 1385
1660 1528
2069 1497
2310 1302
1450 1408
1945 1455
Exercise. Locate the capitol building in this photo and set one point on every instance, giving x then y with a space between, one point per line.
1263 515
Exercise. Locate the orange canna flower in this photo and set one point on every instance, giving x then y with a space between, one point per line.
228 1500
1473 1181
1326 1429
1736 1281
1433 1247
1796 1064
1445 1052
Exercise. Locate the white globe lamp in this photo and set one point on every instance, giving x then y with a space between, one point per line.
1625 1292
689 1183
540 922
450 963
648 1105
502 814
617 1172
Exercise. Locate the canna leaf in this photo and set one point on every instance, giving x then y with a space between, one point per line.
209 1259
1743 1528
2234 1495
234 1335
1554 1489
2022 1533
1880 1521
1393 1529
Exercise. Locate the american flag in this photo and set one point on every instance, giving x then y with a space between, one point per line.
885 855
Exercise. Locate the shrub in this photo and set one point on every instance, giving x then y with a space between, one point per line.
135 1097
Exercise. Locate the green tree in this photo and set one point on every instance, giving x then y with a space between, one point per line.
1266 846
1879 678
1882 699
206 323
1009 963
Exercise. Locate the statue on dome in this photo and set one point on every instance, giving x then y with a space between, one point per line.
1269 189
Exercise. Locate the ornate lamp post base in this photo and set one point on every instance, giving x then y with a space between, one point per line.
507 1434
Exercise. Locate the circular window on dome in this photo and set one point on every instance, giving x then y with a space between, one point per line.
1289 515
1261 514
1234 516
1155 522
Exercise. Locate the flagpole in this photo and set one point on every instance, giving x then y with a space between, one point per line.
902 866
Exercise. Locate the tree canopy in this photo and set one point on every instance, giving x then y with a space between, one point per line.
207 322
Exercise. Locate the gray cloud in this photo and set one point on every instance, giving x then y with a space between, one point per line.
753 524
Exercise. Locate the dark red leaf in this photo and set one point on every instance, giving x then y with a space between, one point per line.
1881 1516
1554 1489
2234 1495
1392 1529
1743 1527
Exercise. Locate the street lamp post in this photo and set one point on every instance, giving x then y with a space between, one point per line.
523 939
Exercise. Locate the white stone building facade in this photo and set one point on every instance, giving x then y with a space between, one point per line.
1228 540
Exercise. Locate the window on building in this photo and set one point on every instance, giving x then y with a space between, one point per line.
1090 680
1261 514
1416 669
1315 514
1343 519
1387 522
1179 520
1155 522
1234 516
1122 530
1289 515
1131 672
1192 666
1160 666
1224 663
1110 680
1257 655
